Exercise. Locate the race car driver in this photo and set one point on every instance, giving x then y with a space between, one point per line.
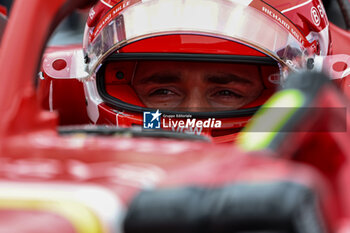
194 86
217 59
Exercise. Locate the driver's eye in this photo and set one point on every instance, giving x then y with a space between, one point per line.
162 92
227 93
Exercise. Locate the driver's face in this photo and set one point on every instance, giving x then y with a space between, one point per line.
196 86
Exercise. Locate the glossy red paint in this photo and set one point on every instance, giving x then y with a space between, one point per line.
341 45
293 10
35 18
340 40
33 153
59 64
64 98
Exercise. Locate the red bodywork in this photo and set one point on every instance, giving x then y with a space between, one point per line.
41 172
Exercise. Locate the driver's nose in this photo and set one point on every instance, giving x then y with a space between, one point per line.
195 101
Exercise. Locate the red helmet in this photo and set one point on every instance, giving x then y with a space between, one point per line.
214 61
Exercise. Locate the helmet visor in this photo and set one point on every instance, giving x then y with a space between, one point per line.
221 18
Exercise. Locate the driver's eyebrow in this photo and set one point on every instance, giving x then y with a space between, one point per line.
162 78
225 78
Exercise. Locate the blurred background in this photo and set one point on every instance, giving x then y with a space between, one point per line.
70 31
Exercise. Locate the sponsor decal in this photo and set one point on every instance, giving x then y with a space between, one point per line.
282 20
277 17
315 15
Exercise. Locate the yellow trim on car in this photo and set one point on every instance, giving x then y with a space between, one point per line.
252 138
79 215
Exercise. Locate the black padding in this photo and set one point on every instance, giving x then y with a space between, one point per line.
272 207
345 9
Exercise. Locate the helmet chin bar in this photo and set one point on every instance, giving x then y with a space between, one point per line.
100 80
